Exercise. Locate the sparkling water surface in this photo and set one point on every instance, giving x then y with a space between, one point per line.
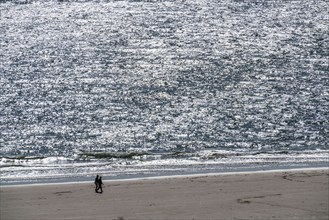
151 87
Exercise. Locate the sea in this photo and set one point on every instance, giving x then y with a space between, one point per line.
146 88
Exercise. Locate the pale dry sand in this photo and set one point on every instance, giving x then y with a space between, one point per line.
275 195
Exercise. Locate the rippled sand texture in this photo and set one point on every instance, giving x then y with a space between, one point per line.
159 75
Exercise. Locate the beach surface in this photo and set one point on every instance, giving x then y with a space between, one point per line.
288 194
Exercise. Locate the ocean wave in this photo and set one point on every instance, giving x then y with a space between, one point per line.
32 160
133 158
136 85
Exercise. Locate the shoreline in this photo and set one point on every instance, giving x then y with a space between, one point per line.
284 194
167 176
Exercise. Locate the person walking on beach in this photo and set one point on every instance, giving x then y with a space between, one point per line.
100 183
96 184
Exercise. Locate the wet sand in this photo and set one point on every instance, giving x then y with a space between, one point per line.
294 194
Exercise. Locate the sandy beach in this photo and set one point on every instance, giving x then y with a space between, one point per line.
294 194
